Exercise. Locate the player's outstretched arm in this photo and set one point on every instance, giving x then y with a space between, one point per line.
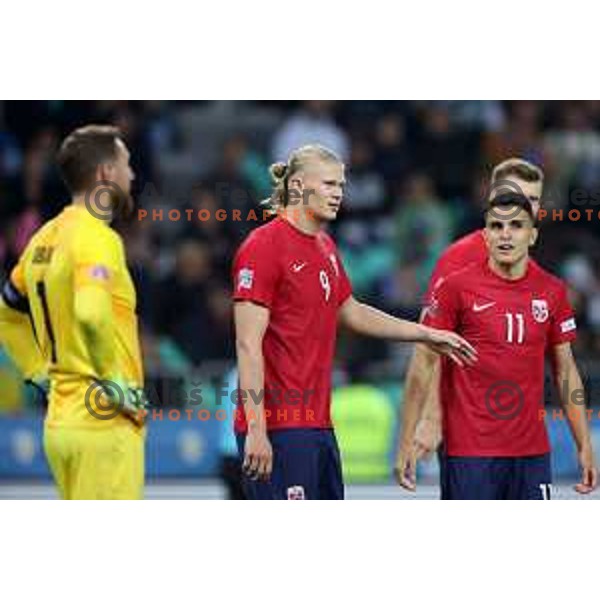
17 335
570 386
424 376
251 321
367 320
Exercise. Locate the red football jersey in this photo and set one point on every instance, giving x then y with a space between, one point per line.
468 249
300 278
492 407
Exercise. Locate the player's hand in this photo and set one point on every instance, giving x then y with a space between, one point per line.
589 472
258 454
405 469
428 437
130 398
41 382
452 345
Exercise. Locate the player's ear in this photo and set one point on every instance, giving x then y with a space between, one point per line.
103 171
295 183
534 236
486 235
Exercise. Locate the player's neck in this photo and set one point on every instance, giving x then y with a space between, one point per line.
87 203
513 271
303 220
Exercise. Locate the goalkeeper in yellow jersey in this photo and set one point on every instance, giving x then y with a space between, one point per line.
68 314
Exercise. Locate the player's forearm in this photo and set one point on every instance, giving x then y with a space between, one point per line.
572 399
18 339
251 374
93 311
420 393
366 320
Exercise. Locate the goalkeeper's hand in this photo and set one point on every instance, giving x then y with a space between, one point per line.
130 399
41 384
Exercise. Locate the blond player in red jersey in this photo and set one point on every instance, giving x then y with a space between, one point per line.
290 292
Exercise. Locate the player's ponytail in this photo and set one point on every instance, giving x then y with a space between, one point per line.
281 172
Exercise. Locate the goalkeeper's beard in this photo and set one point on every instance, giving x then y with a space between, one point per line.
123 206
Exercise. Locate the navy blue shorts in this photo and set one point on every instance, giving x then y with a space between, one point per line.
498 478
441 455
306 466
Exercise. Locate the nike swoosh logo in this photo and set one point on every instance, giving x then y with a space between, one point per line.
298 267
480 307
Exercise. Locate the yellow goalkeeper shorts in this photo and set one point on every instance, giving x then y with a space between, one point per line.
96 463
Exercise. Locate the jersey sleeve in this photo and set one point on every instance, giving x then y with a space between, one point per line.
469 249
14 291
96 260
443 308
563 327
345 286
256 271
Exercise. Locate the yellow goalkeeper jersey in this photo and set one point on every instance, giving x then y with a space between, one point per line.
70 252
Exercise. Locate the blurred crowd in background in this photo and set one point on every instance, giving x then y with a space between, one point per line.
417 174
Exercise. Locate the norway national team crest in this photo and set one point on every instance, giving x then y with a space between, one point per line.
539 309
296 492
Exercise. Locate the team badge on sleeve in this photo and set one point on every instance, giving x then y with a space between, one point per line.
245 279
568 325
539 309
99 272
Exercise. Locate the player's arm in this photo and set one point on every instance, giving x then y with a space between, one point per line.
366 320
251 321
424 378
96 267
428 434
16 331
94 314
569 384
442 313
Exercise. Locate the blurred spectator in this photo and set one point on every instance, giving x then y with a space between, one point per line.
188 308
142 259
575 147
42 187
219 233
11 163
365 191
392 154
424 228
228 180
521 137
482 115
312 124
446 153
